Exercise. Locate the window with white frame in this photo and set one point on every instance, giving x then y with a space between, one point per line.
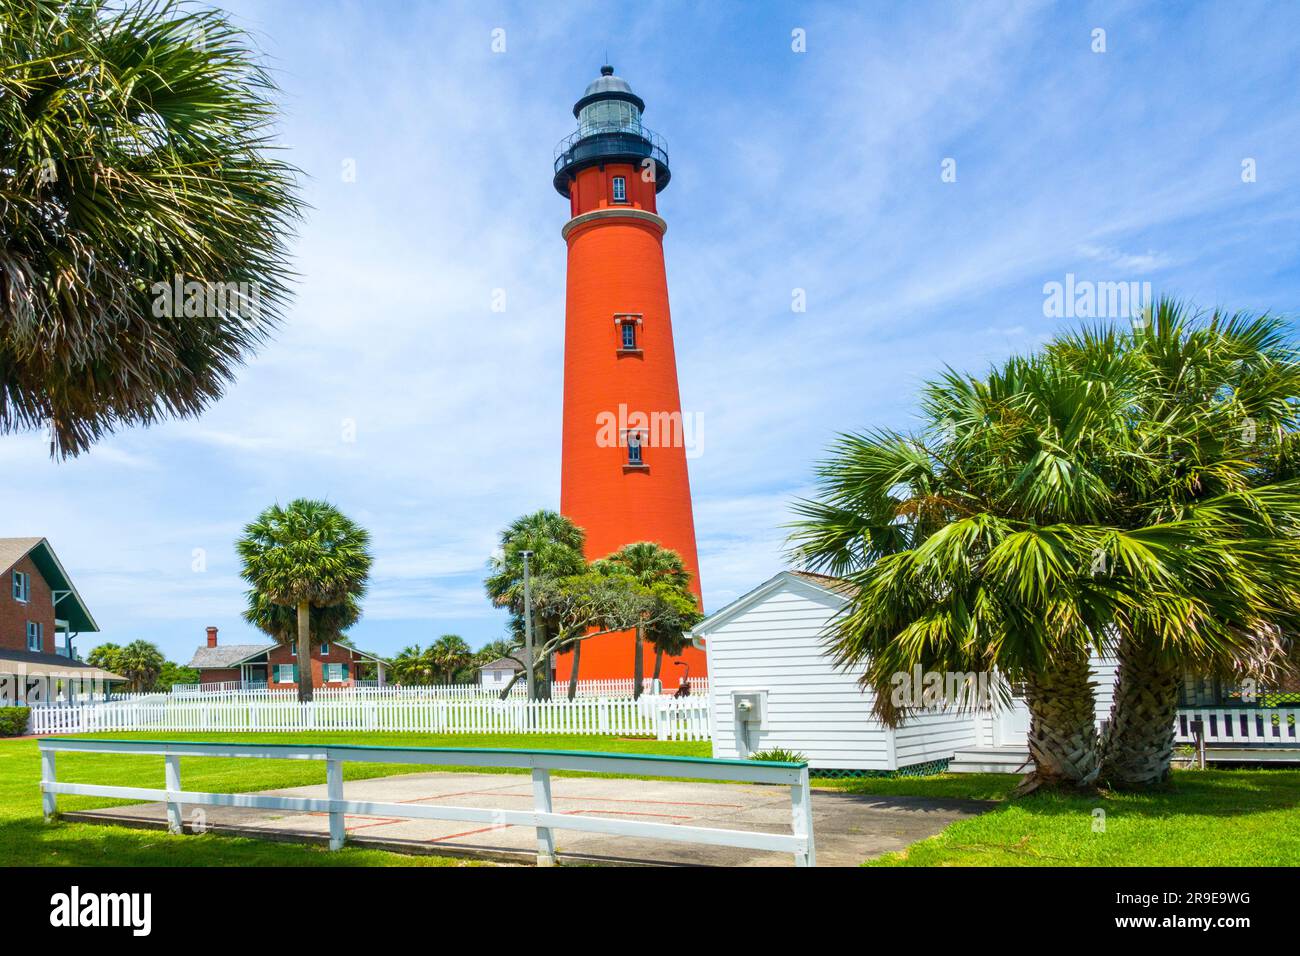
620 189
293 649
324 649
22 586
629 335
35 636
284 673
334 673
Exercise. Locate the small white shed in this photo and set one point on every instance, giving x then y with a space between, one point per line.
772 684
767 649
496 674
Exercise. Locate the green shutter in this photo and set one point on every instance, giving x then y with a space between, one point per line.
345 671
295 673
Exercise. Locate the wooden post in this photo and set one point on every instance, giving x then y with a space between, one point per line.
334 788
49 801
801 819
542 804
172 781
1198 736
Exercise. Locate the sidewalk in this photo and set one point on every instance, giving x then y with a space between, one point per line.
849 828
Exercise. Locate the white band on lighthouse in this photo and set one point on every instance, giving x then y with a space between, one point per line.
597 214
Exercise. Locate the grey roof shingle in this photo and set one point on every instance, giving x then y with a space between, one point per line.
226 655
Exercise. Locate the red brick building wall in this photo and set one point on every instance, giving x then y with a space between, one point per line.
338 654
15 614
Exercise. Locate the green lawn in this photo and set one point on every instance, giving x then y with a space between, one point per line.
26 840
1205 818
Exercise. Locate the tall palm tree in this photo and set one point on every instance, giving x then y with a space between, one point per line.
556 544
303 556
328 624
652 566
449 654
1216 397
135 160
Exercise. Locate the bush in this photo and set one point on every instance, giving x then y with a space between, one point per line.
13 721
777 755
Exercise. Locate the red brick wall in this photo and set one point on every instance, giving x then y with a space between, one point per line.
339 654
14 615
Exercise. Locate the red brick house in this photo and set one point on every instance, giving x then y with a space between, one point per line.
40 615
275 666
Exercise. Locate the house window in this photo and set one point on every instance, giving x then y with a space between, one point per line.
35 636
324 649
620 189
334 673
22 587
629 335
284 673
634 449
293 650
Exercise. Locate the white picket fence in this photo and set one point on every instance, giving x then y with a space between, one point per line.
665 718
560 689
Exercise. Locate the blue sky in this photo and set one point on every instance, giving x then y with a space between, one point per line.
816 170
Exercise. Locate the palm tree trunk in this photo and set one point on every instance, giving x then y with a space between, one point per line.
659 661
304 651
638 664
1062 725
1139 741
573 671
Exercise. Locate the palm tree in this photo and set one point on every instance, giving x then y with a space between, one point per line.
328 624
1216 396
556 544
304 556
141 663
134 160
449 654
652 566
974 545
413 665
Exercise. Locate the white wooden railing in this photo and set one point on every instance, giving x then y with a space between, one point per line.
1240 725
541 762
665 718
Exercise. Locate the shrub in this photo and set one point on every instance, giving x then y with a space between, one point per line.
778 755
13 720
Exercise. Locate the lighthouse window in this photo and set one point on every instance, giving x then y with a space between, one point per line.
620 189
634 448
629 335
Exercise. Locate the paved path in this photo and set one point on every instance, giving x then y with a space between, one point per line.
848 828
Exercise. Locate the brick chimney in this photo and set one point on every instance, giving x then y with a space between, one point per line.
212 637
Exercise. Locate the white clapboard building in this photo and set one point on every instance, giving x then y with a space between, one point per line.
773 685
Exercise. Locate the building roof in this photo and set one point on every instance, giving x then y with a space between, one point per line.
229 655
226 655
838 588
69 607
502 663
43 665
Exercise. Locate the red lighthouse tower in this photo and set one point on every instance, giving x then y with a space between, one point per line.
623 476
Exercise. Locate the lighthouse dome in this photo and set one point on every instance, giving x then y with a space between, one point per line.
609 131
608 98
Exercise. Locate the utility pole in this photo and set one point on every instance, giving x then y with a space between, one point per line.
528 627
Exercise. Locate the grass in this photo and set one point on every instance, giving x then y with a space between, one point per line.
1204 818
26 840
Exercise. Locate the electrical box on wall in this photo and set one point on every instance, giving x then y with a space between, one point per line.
750 707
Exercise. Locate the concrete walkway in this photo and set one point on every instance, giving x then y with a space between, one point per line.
848 828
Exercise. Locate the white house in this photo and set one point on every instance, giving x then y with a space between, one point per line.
773 685
496 674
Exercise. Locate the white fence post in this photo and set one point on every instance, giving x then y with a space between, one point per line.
334 790
172 780
542 804
49 774
801 821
